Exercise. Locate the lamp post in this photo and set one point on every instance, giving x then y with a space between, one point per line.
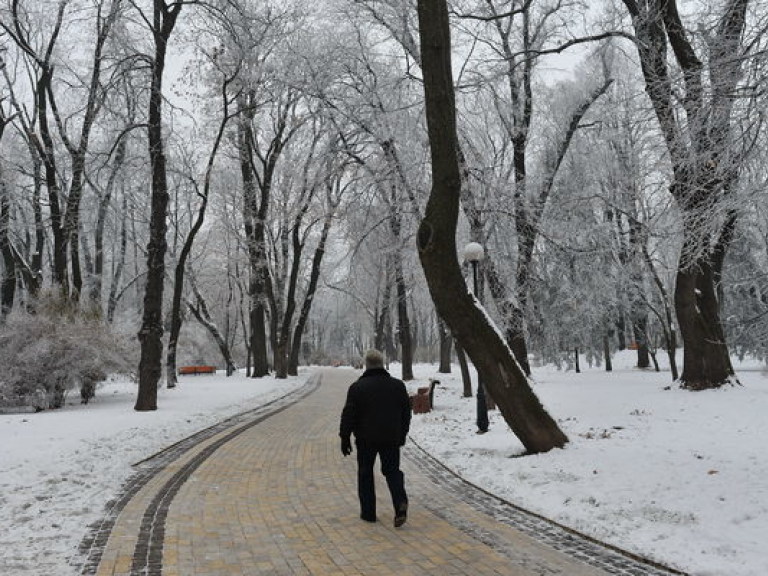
473 253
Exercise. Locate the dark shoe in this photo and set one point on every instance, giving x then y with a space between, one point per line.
368 518
401 515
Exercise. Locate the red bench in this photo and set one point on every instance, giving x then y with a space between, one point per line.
423 401
186 370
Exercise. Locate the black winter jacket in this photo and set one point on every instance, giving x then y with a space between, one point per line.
377 410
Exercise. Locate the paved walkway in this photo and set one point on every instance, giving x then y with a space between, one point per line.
271 494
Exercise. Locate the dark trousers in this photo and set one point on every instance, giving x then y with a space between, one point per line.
390 468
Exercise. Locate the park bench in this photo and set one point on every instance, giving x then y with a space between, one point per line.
423 401
186 370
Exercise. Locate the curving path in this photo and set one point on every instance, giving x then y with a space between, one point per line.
271 495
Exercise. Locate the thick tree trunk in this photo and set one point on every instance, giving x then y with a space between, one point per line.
151 332
281 354
436 241
36 260
706 362
381 337
259 355
639 332
607 353
8 284
254 232
620 329
446 344
576 360
403 322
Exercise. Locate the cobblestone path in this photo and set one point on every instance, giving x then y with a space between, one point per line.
272 495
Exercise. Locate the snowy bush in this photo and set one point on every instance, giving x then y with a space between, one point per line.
47 353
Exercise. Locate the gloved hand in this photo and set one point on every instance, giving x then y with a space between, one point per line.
346 446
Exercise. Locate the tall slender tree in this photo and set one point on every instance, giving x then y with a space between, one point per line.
164 17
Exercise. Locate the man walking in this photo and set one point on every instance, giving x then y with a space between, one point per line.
378 413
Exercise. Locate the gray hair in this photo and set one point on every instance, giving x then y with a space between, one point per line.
373 359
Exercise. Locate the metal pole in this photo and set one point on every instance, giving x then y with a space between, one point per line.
482 407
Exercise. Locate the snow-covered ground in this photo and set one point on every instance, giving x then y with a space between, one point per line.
676 476
59 468
679 477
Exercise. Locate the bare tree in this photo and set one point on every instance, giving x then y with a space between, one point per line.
203 194
164 17
520 35
334 192
78 149
42 146
199 309
695 114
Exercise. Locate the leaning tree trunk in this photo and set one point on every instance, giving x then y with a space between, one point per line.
436 241
200 311
151 332
640 333
205 319
466 377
